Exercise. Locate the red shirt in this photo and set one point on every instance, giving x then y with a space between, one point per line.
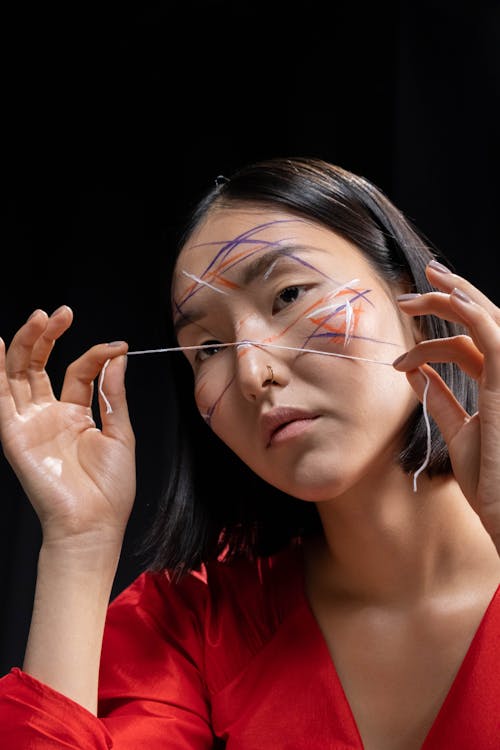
233 652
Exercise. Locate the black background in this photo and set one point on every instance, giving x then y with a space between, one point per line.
115 119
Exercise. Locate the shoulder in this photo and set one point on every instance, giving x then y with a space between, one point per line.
226 611
274 582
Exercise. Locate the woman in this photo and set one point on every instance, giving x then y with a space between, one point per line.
325 568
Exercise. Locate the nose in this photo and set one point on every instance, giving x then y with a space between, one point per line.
257 370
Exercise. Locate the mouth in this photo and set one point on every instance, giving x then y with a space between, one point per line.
284 423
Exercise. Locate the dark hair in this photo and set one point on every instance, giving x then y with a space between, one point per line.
214 504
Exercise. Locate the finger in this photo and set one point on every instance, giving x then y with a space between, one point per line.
431 303
458 349
444 279
445 409
57 324
78 384
458 307
7 404
18 357
485 332
113 406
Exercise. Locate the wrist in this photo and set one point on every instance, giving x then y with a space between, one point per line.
85 554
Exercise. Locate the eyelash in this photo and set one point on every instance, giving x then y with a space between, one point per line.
287 289
203 354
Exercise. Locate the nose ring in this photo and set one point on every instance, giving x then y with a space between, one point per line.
271 373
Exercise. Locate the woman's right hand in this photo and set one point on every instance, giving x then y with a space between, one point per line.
80 479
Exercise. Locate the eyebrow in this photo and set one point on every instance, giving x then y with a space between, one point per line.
252 270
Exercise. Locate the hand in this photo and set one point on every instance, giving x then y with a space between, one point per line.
473 440
79 479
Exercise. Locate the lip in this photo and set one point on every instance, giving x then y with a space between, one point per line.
274 420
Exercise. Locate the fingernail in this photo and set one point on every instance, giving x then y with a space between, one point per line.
438 266
407 297
398 359
115 343
460 295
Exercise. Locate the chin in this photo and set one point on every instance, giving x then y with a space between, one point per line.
315 488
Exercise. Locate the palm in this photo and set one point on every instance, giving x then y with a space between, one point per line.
57 452
79 479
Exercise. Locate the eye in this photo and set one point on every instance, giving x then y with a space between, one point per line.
287 296
213 347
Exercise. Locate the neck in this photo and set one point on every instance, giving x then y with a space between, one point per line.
386 543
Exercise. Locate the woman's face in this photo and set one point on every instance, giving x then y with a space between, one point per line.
276 286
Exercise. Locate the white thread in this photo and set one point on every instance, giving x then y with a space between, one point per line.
204 283
310 351
428 426
109 410
257 343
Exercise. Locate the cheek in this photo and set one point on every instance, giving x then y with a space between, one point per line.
328 321
205 396
210 392
385 400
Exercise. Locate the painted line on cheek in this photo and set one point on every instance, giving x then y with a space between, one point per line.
301 350
260 344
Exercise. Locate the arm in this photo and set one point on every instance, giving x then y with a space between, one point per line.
81 483
152 685
71 598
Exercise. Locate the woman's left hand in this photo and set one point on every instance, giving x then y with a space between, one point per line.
473 440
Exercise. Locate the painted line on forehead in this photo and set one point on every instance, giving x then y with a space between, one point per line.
313 268
203 283
254 271
270 269
223 267
243 238
269 247
229 245
261 265
287 251
256 230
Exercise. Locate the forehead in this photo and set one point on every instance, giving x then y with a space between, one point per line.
229 240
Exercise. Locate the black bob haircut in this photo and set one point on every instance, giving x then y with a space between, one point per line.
213 505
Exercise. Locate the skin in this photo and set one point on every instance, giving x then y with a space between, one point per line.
407 575
84 510
403 574
347 395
